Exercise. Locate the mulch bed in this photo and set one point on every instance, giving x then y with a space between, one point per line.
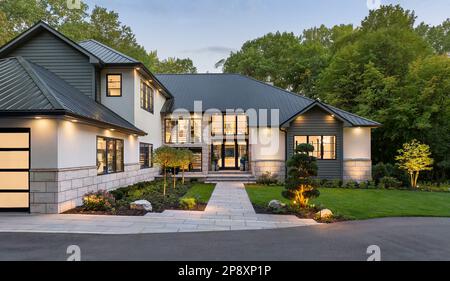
124 211
304 214
119 212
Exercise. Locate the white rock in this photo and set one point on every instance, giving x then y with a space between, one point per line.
325 213
276 204
141 205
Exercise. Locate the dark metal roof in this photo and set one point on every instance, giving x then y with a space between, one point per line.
106 54
28 88
233 91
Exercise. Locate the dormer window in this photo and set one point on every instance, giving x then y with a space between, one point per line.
114 85
146 97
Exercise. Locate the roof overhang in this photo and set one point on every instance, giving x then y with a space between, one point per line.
322 106
71 116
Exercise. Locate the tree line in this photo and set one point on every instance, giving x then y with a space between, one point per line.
80 24
387 69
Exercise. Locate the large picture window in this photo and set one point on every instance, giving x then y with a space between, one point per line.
114 85
147 97
324 146
109 156
145 155
180 131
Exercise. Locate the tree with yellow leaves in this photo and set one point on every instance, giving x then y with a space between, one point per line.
414 157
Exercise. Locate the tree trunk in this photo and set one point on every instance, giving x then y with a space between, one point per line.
182 172
165 181
174 179
416 179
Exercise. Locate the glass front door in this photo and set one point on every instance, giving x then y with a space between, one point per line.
228 154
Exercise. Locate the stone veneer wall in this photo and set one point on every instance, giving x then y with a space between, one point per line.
259 167
56 191
357 169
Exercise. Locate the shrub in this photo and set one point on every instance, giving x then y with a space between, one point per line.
267 179
351 185
336 183
98 201
382 170
389 182
188 203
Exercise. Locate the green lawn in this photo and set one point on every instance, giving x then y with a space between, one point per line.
201 191
366 203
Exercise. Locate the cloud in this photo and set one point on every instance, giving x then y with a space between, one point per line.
211 49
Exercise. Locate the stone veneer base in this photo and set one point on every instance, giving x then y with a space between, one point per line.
57 191
259 167
357 169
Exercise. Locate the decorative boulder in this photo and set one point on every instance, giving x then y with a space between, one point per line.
276 204
141 205
325 214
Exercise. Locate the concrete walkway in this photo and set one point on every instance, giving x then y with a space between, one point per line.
228 209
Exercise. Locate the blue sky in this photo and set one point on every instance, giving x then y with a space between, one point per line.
207 30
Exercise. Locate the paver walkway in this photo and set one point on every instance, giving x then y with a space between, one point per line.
228 209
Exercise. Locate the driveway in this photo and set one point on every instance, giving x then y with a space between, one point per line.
398 239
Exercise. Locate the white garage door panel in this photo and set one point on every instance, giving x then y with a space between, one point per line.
14 180
14 200
14 160
14 140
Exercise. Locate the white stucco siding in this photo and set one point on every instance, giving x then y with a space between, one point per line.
124 105
267 144
77 145
43 139
149 122
357 143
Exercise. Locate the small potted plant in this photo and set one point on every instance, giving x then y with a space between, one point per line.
244 163
214 162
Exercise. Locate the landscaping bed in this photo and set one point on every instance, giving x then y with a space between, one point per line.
348 204
189 196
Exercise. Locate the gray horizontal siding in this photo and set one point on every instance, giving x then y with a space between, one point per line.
318 122
55 55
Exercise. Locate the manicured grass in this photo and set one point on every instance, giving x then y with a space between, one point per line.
200 191
367 203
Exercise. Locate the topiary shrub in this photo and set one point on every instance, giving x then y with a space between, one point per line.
389 182
98 201
187 203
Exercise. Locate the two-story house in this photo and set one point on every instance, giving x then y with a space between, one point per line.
81 117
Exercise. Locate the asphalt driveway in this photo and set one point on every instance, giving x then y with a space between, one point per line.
398 239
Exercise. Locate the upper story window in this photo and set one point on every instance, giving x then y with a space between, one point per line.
114 85
109 156
324 146
229 125
146 97
179 131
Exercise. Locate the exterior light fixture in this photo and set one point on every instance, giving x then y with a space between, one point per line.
138 68
38 117
112 130
332 115
74 120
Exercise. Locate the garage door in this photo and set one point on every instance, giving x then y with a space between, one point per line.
14 170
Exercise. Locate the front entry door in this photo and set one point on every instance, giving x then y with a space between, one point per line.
230 156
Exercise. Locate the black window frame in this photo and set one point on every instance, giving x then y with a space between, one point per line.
116 171
321 145
107 84
147 93
150 155
190 130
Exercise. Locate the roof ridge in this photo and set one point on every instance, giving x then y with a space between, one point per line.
46 91
276 87
109 48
